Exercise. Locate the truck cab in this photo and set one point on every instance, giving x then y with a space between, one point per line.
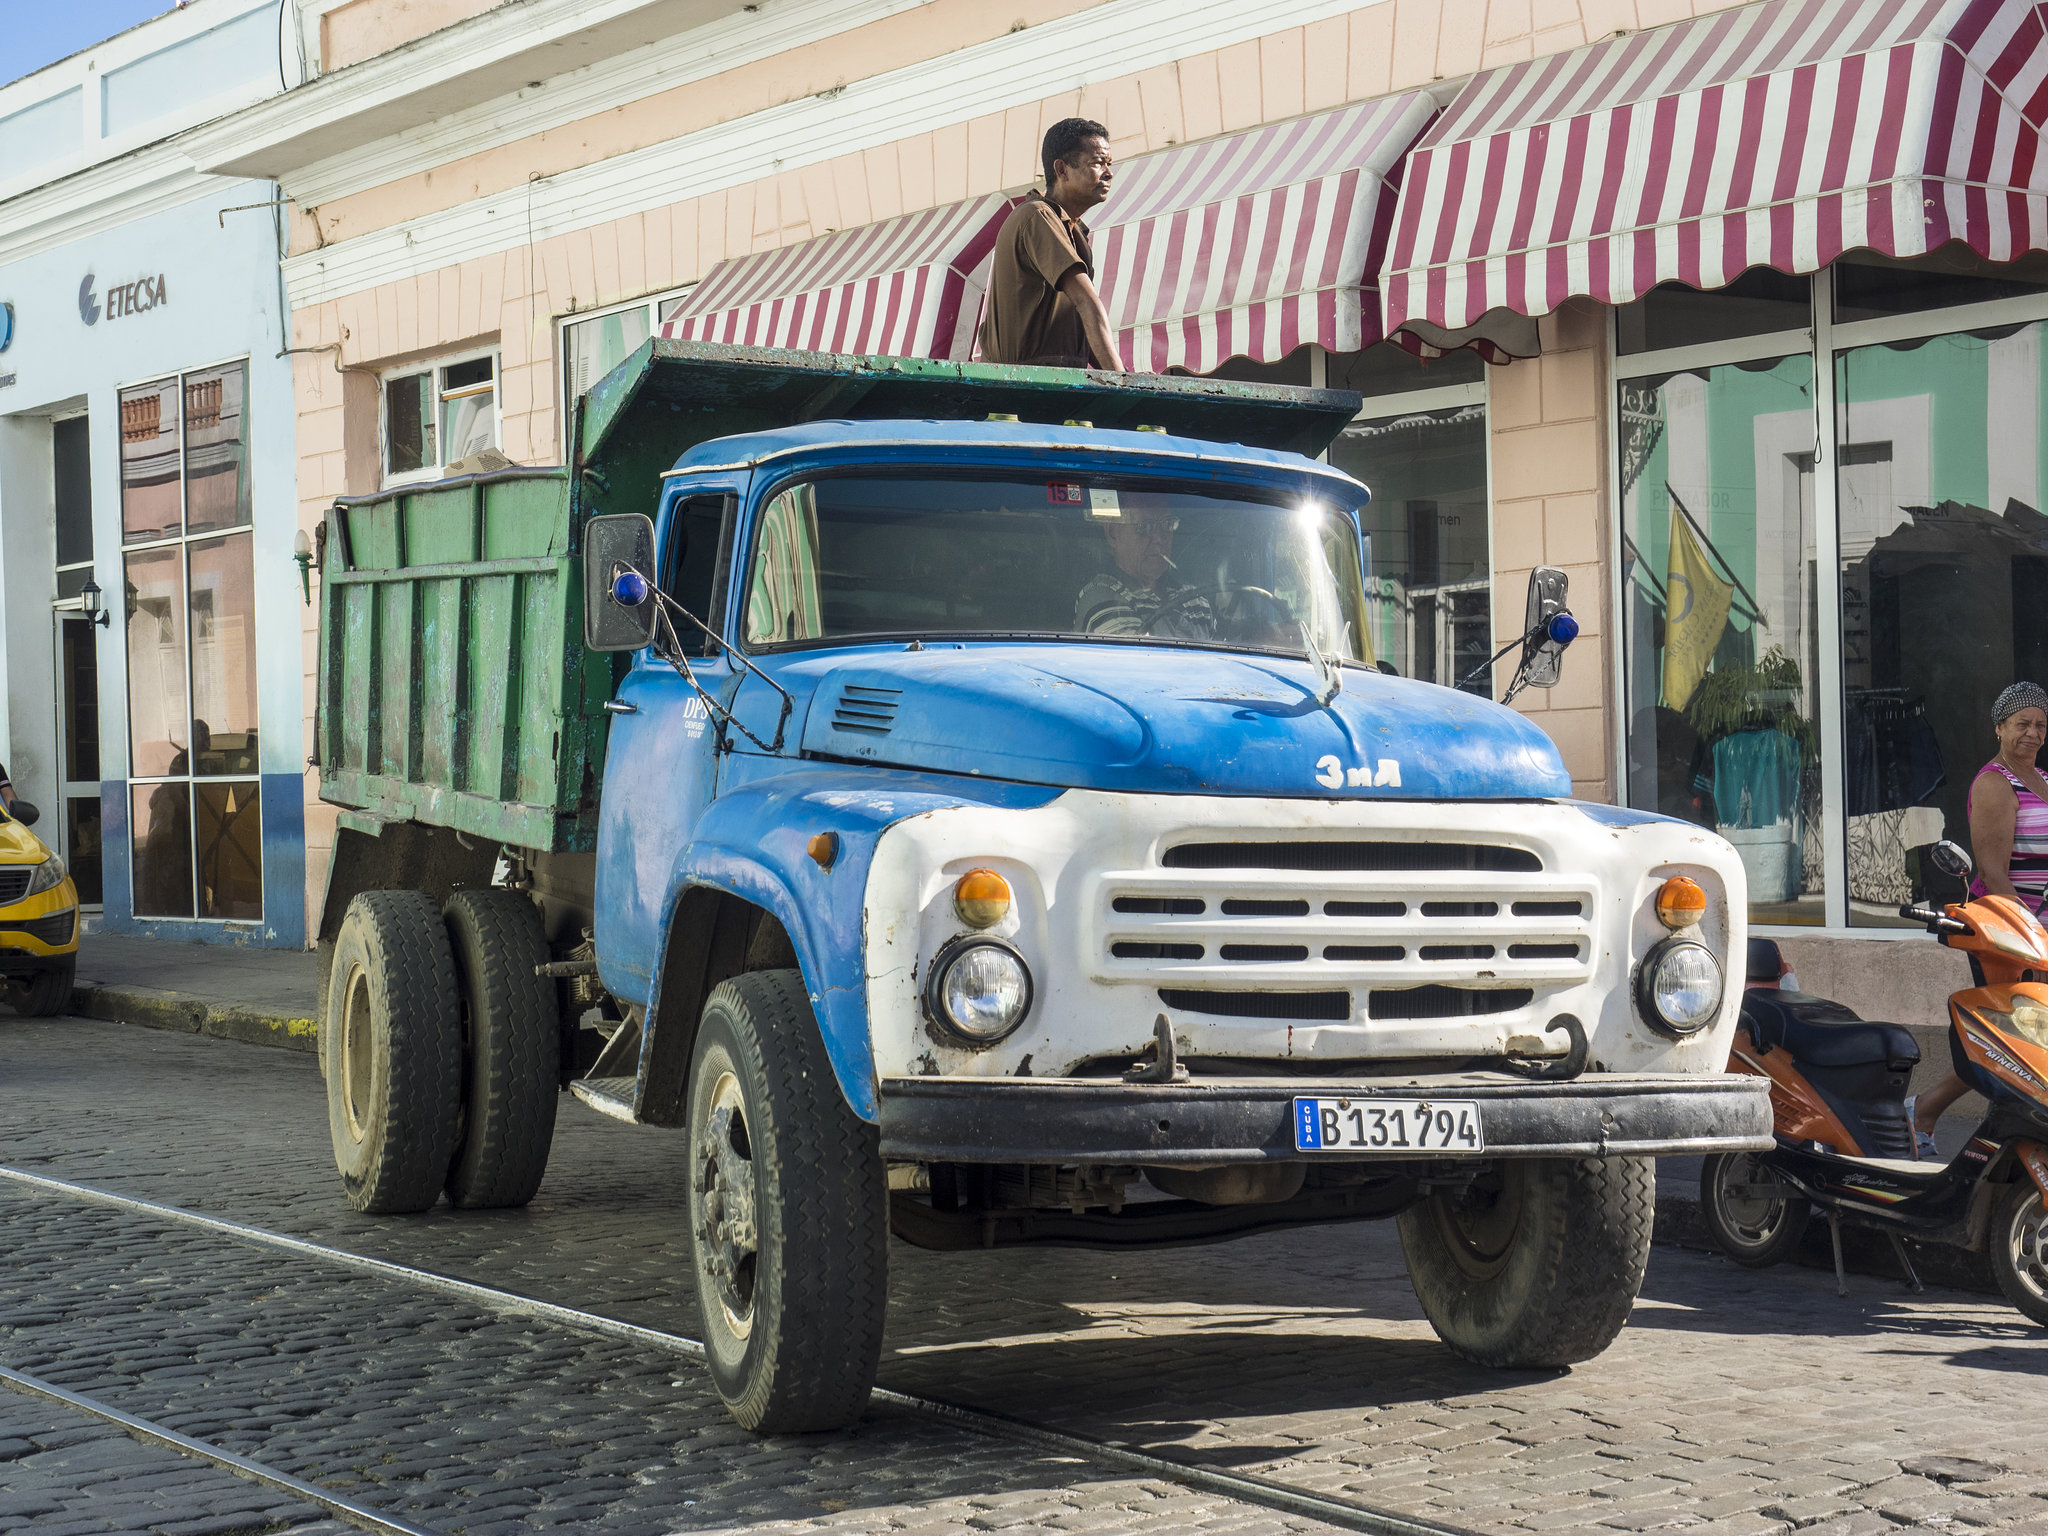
996 829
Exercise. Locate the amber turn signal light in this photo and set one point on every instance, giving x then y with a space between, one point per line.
1680 902
824 849
982 898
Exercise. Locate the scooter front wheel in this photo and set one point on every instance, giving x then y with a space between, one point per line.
1754 1216
2019 1248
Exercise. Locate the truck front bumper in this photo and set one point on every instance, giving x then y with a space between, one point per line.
1087 1120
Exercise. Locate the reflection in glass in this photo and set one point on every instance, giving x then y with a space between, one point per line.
1427 576
594 348
1386 368
149 462
216 449
229 822
82 847
223 609
1944 565
78 704
162 821
1719 629
409 423
156 662
1757 303
1869 284
469 424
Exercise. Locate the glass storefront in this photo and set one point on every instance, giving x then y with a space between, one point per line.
1810 661
190 614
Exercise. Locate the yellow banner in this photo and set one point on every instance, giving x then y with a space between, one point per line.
1695 613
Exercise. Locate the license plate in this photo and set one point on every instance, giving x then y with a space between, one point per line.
1387 1125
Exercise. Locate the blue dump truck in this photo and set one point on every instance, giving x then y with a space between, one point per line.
959 802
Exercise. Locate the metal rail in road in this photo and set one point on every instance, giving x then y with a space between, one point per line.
1246 1488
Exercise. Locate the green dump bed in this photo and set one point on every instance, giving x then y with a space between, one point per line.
454 686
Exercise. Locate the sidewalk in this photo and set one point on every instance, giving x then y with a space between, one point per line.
256 996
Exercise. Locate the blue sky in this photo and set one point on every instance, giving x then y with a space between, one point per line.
39 32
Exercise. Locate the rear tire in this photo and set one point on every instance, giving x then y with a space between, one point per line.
392 1039
1537 1262
789 1214
1755 1230
49 992
2019 1248
511 1049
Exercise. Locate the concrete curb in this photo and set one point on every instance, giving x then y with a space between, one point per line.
179 1011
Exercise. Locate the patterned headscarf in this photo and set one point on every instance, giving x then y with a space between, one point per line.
2016 698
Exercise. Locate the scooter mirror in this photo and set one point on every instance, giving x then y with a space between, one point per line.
1951 859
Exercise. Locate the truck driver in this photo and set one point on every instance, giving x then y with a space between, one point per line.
1140 597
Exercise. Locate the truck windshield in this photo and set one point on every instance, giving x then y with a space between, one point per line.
846 557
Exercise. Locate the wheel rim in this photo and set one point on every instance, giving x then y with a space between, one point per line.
356 1062
2027 1244
728 1238
1479 1222
1754 1203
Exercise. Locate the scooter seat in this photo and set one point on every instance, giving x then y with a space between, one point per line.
1824 1033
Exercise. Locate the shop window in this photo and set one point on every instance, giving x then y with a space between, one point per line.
190 619
1428 561
1944 569
1388 369
1719 622
1761 302
1871 286
438 416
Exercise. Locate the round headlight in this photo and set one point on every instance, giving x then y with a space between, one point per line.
979 991
1678 989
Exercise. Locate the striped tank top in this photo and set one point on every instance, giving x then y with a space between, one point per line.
2028 868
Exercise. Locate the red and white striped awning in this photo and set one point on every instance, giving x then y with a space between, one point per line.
1253 244
1780 134
906 287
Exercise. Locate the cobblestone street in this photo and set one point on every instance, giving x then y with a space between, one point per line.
1734 1402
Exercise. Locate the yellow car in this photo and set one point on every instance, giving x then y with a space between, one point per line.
38 918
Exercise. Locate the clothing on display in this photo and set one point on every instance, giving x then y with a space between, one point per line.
1893 759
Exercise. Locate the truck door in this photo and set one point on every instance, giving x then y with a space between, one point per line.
661 763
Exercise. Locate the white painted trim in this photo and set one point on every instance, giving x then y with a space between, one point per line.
1407 403
1929 323
1712 354
1121 37
729 43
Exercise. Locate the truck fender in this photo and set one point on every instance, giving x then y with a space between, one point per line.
752 851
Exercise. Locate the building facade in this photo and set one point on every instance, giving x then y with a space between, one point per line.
149 605
1726 309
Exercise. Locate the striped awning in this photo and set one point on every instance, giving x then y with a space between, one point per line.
1780 134
1253 244
906 287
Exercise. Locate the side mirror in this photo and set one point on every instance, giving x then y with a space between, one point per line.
618 572
1951 859
25 812
1548 626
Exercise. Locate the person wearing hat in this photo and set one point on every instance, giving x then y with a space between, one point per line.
2008 809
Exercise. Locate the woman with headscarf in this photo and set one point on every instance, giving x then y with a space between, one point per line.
2008 808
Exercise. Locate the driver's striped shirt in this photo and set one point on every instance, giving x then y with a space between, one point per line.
1111 606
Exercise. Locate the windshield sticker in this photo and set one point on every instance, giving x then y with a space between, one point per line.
1332 774
1102 504
1066 495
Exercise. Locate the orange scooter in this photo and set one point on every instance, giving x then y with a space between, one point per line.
1844 1141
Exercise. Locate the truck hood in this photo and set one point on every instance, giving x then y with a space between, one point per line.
1143 718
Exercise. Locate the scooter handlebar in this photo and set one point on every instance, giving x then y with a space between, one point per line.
1937 922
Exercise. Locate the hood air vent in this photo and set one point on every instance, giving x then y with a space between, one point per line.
868 710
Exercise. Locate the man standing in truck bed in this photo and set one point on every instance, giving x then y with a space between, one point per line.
1042 303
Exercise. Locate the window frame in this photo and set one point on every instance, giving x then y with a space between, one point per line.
435 367
653 302
1823 340
181 541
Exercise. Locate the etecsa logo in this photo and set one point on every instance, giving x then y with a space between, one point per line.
88 302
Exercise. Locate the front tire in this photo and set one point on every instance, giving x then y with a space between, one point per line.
392 1038
789 1214
48 993
2019 1248
1535 1263
511 1037
1754 1216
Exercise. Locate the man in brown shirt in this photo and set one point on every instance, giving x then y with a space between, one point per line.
1042 303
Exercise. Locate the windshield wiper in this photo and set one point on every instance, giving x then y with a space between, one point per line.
1332 672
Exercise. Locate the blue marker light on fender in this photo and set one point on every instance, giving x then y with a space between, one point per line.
1562 628
629 589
